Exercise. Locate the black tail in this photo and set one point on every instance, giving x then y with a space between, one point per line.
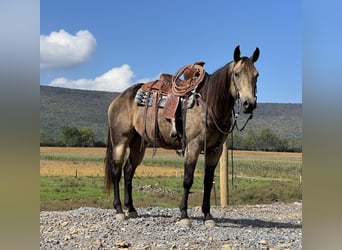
108 184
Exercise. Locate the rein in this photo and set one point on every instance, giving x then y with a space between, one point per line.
235 116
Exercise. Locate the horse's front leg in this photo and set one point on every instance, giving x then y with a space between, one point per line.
189 169
187 184
211 159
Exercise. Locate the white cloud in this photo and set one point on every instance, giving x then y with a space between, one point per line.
114 80
61 49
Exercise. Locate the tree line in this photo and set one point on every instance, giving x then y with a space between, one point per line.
72 137
263 140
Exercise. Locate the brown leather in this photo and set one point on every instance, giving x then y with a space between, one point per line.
154 119
174 87
158 85
166 78
193 76
191 71
170 106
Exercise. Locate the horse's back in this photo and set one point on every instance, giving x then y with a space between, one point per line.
124 100
122 109
126 118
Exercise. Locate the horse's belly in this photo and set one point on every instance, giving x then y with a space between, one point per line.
162 127
155 131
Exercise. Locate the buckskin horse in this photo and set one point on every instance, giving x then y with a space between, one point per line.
206 125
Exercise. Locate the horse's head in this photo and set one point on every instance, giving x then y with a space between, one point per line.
244 78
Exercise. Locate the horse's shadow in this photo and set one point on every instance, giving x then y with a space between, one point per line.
241 223
253 223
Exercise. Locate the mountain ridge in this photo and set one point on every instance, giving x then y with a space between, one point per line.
87 108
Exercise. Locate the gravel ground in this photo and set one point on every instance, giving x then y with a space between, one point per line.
273 226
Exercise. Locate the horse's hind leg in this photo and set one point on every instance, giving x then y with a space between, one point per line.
119 151
135 157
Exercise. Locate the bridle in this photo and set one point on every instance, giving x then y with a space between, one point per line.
234 114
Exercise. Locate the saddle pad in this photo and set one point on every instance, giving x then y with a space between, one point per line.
142 97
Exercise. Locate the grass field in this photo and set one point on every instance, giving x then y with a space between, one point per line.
73 177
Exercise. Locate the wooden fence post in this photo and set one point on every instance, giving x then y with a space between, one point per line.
224 176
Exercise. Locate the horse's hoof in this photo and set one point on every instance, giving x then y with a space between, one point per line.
120 216
209 223
184 223
132 215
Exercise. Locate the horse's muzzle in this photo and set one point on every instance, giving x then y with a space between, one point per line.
249 105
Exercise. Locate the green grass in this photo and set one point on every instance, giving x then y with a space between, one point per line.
63 193
167 160
158 160
251 191
259 179
269 168
71 157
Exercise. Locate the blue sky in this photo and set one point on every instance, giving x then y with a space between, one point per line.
108 45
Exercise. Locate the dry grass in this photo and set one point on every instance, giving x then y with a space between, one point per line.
66 168
84 168
69 168
102 151
73 150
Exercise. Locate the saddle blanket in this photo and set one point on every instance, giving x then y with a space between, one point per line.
142 97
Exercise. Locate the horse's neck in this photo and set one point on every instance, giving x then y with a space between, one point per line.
219 98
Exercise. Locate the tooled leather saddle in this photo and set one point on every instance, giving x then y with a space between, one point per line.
168 88
172 93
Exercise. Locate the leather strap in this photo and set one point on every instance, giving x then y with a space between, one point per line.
194 75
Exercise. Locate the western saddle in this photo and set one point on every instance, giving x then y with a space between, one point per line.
173 93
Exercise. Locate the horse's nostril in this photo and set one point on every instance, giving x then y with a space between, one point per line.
246 104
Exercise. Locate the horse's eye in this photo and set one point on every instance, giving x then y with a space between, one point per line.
236 74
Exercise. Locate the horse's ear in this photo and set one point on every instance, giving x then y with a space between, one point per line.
255 55
237 53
